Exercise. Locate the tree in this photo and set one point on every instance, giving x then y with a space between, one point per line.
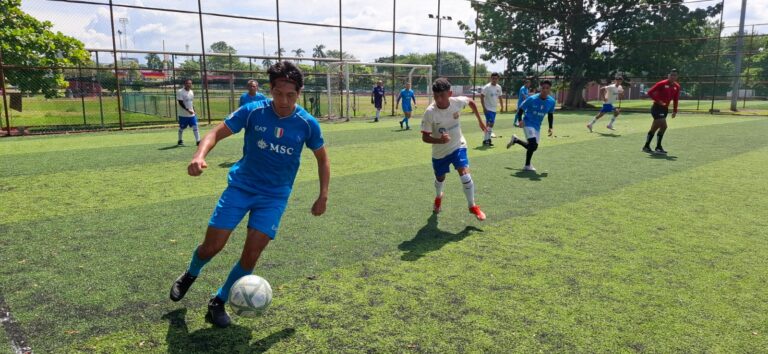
189 69
280 52
298 53
568 37
27 41
333 53
215 63
153 61
267 63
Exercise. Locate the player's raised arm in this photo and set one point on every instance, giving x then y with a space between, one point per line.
196 166
472 105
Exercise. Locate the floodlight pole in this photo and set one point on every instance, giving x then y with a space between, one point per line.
739 55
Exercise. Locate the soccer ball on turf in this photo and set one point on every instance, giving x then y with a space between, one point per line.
250 296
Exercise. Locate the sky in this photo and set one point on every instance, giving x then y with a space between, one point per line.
155 30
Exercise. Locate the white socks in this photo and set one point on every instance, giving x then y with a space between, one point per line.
613 119
438 188
181 134
378 113
593 121
469 189
197 133
488 133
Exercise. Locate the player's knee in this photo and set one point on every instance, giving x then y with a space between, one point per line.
533 146
208 251
440 178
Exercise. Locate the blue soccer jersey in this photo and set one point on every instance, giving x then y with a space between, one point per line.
407 96
536 108
522 95
272 149
246 98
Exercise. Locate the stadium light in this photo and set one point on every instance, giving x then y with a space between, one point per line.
439 19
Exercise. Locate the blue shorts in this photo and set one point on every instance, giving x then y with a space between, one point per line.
607 108
377 104
490 117
458 158
265 212
187 122
407 109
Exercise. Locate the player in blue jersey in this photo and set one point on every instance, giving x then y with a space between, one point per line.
522 95
406 95
260 182
378 98
535 108
252 95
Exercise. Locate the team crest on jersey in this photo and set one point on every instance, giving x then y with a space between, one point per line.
456 115
262 144
279 132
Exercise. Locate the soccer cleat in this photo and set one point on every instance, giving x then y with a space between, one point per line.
529 168
217 314
610 127
485 142
181 285
647 149
401 124
660 150
475 210
512 141
407 128
438 202
490 143
181 142
589 126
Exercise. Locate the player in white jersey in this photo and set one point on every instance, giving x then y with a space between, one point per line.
489 96
441 127
612 92
187 117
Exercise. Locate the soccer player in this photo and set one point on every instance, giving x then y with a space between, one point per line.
609 97
406 95
252 95
488 96
662 93
260 182
535 107
522 95
441 128
377 98
187 117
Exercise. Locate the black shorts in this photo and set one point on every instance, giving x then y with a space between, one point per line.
659 112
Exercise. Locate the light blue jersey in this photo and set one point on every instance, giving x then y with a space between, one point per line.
407 96
522 95
536 108
246 98
272 149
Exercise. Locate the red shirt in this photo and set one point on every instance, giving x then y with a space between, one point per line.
663 92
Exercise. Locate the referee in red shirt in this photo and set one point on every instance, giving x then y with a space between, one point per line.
662 93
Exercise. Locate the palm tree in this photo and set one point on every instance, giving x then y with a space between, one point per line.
280 52
318 52
298 53
267 63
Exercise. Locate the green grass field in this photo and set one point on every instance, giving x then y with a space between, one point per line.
605 249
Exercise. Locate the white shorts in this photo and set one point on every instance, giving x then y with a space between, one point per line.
532 133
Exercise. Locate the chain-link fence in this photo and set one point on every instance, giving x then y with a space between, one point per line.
120 88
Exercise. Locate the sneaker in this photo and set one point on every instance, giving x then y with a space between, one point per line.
475 210
610 127
512 141
438 202
401 124
407 128
181 285
485 142
181 142
647 149
529 168
589 126
375 120
660 150
217 314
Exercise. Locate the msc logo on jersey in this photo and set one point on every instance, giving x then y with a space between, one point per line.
279 132
276 148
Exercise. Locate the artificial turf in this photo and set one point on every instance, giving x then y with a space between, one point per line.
605 249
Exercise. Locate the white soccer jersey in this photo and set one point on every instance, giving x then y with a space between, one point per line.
188 97
438 121
612 93
491 94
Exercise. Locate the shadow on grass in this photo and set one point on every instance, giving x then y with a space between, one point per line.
662 157
227 164
483 147
609 135
233 339
171 147
532 175
430 238
401 130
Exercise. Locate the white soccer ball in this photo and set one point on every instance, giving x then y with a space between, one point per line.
250 296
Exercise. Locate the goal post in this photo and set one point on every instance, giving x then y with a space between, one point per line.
342 96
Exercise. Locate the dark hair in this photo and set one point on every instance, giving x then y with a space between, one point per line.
441 85
546 82
495 74
673 71
619 77
527 80
185 80
287 71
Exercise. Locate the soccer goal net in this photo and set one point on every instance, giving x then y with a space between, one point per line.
350 84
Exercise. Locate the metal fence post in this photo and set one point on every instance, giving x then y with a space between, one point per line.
394 29
117 75
5 99
717 58
204 66
80 89
101 104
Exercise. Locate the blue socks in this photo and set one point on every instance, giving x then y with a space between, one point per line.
236 273
196 265
405 121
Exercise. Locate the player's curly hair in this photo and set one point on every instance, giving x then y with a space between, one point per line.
546 82
441 85
286 70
